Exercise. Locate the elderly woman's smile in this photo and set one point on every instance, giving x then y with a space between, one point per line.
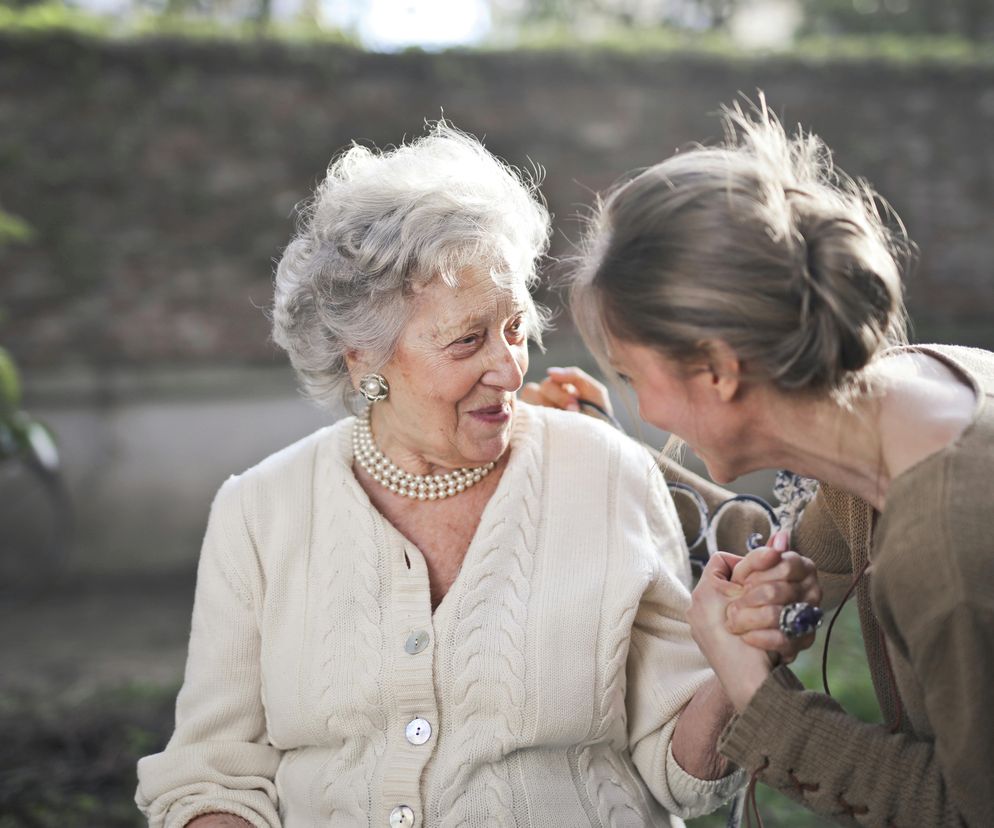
453 376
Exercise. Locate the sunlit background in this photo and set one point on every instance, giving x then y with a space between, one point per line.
390 25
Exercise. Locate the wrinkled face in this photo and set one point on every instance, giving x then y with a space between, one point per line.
682 399
454 375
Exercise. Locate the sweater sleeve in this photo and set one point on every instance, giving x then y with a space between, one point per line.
819 537
806 746
219 758
665 669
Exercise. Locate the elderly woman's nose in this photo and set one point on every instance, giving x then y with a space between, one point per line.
504 369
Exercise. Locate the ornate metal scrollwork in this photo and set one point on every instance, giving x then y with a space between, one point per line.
705 542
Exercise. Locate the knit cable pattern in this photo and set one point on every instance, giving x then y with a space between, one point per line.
609 785
489 663
352 597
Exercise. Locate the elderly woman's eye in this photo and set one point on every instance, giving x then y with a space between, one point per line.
469 339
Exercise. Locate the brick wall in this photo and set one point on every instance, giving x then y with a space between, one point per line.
160 176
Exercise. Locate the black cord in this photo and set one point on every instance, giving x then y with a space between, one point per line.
602 412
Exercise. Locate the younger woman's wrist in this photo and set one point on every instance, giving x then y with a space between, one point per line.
743 687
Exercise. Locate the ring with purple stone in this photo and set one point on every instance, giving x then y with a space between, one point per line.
799 619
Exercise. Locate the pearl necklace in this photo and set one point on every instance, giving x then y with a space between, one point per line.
414 486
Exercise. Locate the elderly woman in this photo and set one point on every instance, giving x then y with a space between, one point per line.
451 609
751 295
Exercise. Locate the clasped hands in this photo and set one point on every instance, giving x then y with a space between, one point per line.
735 611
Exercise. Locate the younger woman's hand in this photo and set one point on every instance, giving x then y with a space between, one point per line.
564 387
771 577
740 668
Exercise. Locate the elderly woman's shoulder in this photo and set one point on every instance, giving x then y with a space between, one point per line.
289 467
588 435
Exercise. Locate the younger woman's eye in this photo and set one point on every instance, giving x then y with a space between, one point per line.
627 380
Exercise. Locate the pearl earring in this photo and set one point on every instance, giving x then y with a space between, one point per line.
374 387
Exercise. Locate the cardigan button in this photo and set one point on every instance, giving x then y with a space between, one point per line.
416 642
418 731
401 817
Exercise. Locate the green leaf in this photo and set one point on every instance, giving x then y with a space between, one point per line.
10 383
14 229
42 445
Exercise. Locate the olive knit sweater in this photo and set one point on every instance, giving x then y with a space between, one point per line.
927 602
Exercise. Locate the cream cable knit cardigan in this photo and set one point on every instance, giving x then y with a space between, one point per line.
550 677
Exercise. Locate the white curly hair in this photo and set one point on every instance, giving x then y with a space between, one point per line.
384 223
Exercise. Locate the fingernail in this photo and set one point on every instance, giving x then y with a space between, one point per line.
555 370
780 541
573 406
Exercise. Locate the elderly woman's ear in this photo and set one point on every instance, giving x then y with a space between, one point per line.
355 365
358 366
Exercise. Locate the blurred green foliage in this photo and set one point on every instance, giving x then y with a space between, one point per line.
53 15
73 763
956 31
20 435
12 228
812 49
10 384
969 19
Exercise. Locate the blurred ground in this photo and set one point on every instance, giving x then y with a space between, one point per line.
90 673
76 640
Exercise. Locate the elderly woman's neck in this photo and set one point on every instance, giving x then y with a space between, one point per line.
390 438
407 446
